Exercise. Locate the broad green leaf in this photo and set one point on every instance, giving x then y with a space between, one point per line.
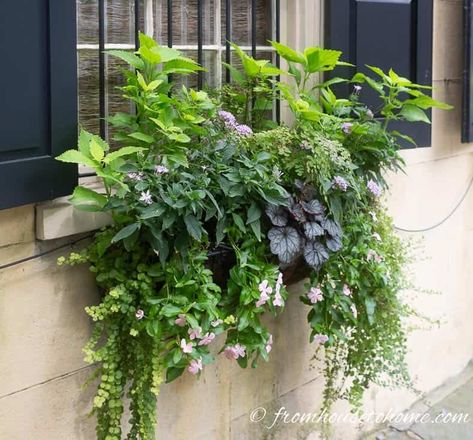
254 213
128 57
122 120
181 65
146 41
87 200
321 60
414 114
150 55
84 142
256 228
331 82
378 71
375 85
272 71
96 150
359 78
193 227
167 53
142 137
235 73
288 54
295 72
125 151
141 81
239 222
153 85
404 136
170 310
173 373
181 137
345 64
219 233
125 232
252 68
74 156
426 102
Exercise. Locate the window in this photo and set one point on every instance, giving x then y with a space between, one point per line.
200 28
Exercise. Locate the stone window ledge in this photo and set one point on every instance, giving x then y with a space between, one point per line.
58 218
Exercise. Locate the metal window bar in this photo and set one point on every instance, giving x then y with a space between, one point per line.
200 38
217 47
137 24
228 37
102 103
253 28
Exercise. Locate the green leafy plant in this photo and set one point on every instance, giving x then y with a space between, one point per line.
212 212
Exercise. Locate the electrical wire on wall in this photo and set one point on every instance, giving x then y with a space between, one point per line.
441 222
42 254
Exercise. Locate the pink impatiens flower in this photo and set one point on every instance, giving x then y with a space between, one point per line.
235 351
139 314
265 288
321 339
195 366
278 301
180 320
195 333
207 339
279 282
315 295
269 344
265 291
346 290
186 347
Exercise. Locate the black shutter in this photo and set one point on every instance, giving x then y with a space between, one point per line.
38 97
388 34
467 117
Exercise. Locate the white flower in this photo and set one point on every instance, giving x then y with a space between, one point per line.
146 198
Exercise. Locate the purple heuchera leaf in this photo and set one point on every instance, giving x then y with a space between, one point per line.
277 214
314 207
334 244
315 254
297 212
332 227
313 230
285 243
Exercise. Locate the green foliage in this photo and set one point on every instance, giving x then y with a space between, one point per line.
207 211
